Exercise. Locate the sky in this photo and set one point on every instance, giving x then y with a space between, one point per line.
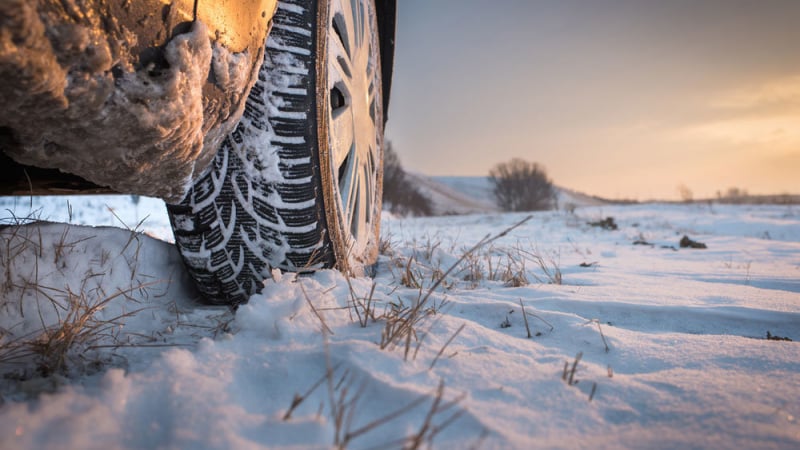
617 98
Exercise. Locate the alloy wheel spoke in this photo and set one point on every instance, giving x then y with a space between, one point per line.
350 184
347 20
342 137
354 146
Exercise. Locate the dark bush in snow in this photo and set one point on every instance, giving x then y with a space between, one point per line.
520 185
399 196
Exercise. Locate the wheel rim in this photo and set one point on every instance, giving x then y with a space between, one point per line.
354 133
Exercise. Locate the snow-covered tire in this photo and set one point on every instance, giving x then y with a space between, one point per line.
297 186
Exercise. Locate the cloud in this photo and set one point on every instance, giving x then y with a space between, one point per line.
780 93
778 132
764 115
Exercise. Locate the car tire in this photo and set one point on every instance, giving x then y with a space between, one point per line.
297 185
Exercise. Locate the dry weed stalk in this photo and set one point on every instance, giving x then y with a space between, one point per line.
409 279
569 372
549 267
506 267
77 325
325 326
364 307
535 316
345 400
594 390
298 399
385 246
401 324
427 332
603 336
515 273
441 351
77 331
474 268
525 318
428 430
430 248
18 241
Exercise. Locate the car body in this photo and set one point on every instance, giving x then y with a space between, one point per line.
129 96
258 122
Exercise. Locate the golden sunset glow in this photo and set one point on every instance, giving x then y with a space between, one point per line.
783 93
615 98
771 133
765 115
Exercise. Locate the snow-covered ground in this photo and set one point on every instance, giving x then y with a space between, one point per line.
631 346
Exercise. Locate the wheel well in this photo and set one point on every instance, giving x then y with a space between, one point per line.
21 179
387 13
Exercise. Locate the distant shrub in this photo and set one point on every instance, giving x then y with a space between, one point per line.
520 185
735 195
399 196
686 194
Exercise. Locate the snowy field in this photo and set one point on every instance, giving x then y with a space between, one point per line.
626 340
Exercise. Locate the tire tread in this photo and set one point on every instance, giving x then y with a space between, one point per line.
234 227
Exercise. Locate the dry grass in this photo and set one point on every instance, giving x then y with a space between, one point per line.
570 371
548 265
316 312
602 336
512 272
346 400
525 318
78 330
70 319
345 393
402 324
403 320
514 266
364 306
507 266
568 375
441 351
411 277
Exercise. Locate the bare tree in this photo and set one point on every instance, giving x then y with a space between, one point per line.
520 185
399 195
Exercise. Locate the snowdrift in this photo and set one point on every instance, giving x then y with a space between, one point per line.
555 335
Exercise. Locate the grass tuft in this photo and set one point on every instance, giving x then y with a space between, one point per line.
62 301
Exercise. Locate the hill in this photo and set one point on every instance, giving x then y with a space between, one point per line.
473 195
